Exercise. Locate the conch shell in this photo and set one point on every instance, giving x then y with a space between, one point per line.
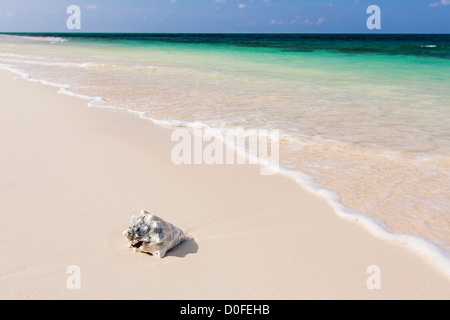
151 234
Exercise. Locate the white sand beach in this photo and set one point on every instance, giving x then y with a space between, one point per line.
72 176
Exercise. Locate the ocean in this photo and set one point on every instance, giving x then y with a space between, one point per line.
364 119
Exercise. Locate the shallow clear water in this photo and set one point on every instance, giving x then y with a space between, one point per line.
368 117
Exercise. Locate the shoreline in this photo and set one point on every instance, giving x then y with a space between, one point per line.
437 255
208 227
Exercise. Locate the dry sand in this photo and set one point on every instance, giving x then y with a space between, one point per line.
71 177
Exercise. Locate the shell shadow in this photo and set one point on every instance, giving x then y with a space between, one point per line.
189 246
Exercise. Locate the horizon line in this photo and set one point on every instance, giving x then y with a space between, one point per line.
222 33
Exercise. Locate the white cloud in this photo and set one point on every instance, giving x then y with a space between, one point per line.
443 2
241 6
250 23
297 20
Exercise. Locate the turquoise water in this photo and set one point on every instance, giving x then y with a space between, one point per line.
365 116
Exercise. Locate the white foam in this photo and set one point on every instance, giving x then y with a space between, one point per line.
12 69
33 38
63 88
84 65
14 55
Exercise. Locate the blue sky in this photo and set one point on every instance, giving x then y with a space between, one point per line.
246 16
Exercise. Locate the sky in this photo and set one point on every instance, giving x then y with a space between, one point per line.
226 16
